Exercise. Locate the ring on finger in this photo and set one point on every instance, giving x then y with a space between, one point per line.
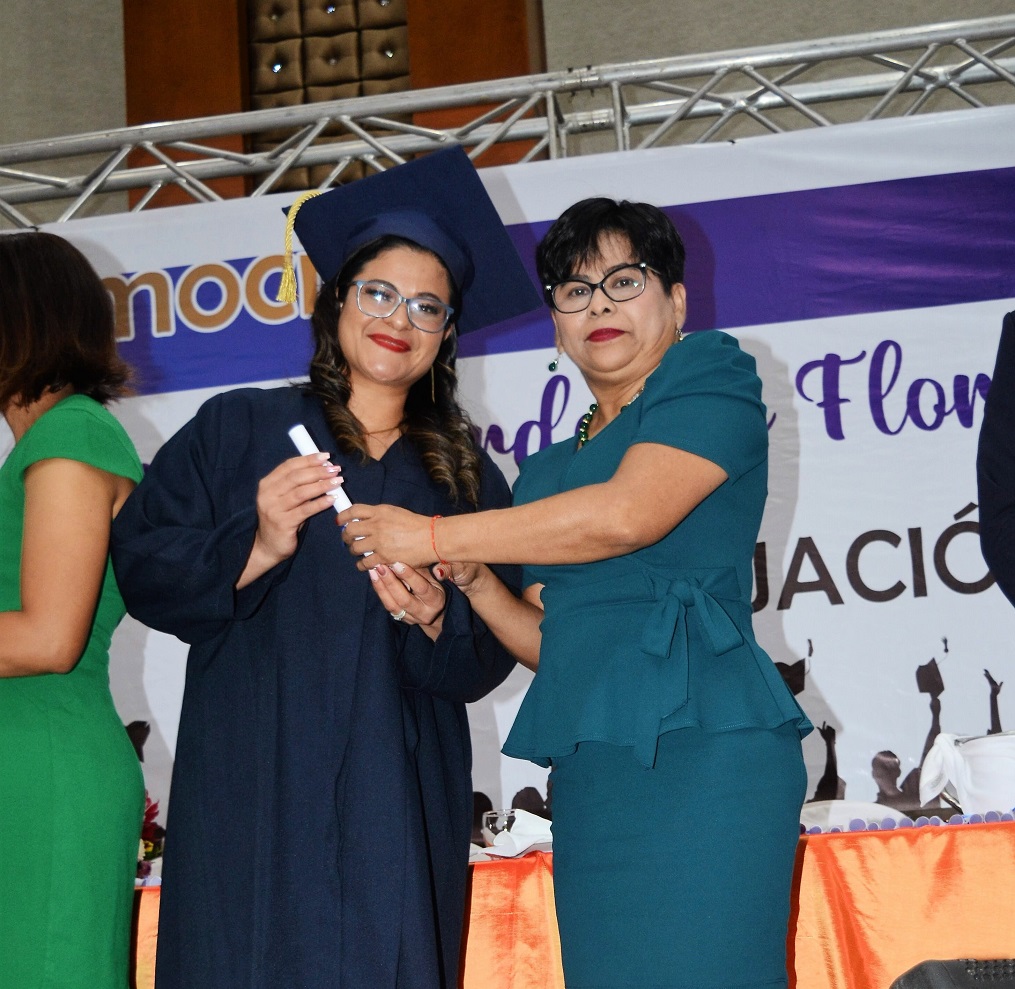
397 615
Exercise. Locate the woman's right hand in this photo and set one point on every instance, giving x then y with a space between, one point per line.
293 492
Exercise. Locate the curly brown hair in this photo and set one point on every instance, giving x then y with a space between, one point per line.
56 323
438 426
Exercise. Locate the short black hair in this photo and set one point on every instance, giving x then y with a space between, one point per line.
56 323
574 239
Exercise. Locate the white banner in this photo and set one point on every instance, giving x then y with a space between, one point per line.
867 267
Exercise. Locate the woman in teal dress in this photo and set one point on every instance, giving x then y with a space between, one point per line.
677 772
71 791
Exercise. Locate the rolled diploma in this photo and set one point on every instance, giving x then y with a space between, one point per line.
301 438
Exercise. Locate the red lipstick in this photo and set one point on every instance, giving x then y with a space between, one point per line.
604 333
389 343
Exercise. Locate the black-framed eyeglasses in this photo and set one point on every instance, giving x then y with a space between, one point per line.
379 299
620 285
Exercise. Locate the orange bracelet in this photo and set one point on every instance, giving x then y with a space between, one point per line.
433 539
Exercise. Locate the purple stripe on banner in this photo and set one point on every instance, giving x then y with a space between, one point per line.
880 246
242 350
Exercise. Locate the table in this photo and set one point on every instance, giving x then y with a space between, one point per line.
511 933
866 907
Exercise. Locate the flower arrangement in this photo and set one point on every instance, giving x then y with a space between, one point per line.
153 838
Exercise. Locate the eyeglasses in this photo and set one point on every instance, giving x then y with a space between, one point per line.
620 285
376 298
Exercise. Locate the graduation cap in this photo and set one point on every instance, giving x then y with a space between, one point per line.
437 201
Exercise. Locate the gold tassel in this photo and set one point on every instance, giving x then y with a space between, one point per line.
287 287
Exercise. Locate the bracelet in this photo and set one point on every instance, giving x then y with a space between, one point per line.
433 539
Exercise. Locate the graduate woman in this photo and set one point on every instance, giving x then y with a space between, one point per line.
321 804
674 743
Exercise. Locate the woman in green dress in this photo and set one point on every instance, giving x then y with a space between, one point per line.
71 790
677 770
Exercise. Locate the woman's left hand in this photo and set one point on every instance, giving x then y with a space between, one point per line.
389 534
410 596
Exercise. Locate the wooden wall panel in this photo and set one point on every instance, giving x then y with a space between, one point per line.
185 59
461 41
194 59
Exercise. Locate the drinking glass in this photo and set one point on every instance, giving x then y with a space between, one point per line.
495 821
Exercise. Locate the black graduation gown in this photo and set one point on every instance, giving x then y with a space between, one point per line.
995 466
321 802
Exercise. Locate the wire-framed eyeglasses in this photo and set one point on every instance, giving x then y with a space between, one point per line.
379 299
620 285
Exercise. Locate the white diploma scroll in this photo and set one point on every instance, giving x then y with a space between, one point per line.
301 438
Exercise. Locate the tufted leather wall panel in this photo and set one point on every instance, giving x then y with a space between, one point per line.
306 51
381 13
328 16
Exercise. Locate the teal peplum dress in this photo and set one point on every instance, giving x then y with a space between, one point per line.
71 790
677 772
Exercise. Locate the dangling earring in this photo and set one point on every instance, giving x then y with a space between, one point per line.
433 386
554 364
680 334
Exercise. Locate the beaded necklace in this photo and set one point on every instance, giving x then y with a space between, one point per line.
583 425
586 420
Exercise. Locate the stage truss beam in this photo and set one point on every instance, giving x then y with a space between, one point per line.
635 105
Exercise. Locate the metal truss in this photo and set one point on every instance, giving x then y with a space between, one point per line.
682 100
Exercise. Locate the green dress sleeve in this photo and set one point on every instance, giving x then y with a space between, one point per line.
79 428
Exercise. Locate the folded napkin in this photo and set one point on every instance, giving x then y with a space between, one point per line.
980 769
529 832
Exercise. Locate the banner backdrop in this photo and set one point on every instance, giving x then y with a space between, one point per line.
867 267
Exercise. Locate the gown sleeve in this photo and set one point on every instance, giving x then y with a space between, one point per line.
182 538
467 661
995 466
705 398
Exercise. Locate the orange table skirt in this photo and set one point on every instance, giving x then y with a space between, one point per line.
867 906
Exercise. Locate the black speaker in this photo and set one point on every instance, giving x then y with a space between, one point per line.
962 973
